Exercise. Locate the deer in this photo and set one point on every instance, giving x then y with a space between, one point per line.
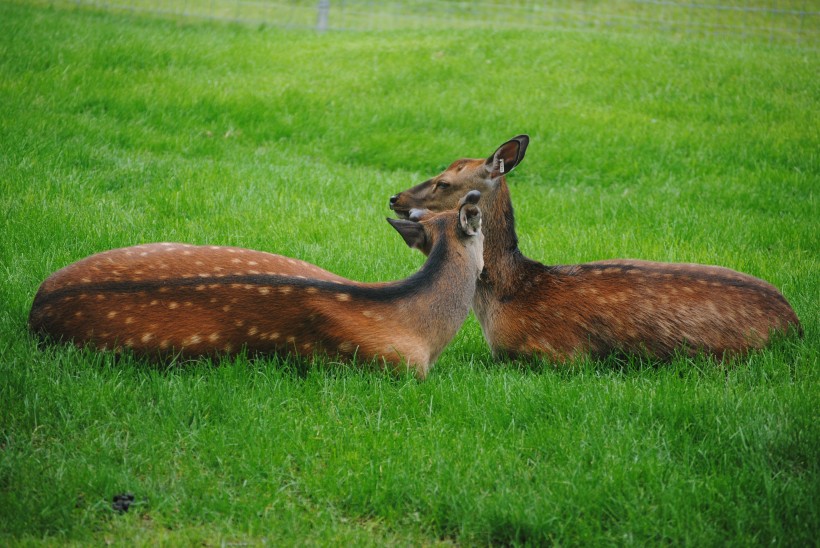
181 300
625 307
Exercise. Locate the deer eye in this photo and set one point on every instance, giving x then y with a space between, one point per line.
442 185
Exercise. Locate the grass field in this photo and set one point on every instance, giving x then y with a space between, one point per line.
118 129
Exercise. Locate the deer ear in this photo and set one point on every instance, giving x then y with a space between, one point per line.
471 197
469 219
507 156
412 232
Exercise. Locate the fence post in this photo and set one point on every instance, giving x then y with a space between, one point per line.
323 10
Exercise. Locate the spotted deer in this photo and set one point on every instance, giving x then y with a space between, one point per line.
167 298
526 308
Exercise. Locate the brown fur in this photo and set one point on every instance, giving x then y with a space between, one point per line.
161 299
527 308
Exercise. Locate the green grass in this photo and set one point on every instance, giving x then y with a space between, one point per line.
117 130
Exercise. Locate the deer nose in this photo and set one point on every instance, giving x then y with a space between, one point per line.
393 200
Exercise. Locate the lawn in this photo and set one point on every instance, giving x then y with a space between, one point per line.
118 129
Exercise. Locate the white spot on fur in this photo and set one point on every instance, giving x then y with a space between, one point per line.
147 337
173 304
544 344
111 314
213 337
371 314
264 290
252 331
342 297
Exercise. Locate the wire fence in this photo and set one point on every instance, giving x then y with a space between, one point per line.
795 22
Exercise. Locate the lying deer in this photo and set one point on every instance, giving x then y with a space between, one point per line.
161 299
527 308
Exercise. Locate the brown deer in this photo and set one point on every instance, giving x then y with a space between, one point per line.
627 306
163 299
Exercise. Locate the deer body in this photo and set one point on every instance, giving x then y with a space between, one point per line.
526 308
205 300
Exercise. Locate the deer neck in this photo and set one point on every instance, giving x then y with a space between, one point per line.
503 260
441 295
